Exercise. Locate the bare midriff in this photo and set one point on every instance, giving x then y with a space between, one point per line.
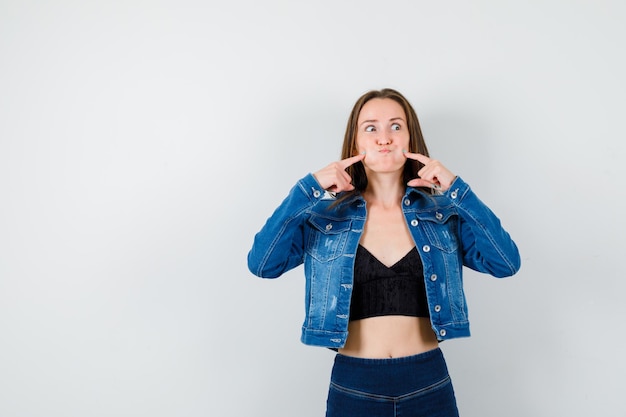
389 337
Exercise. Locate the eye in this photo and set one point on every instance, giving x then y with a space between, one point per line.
370 128
395 126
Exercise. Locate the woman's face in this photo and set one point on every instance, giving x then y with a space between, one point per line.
382 133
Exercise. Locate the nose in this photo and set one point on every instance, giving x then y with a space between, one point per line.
384 140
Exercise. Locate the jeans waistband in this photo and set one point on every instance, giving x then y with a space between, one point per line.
420 357
390 376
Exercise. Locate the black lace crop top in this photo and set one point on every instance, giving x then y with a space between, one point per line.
379 290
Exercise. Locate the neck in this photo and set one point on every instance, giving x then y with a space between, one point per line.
386 190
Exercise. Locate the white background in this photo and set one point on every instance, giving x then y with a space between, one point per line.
143 143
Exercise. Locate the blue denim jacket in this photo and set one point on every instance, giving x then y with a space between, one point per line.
450 230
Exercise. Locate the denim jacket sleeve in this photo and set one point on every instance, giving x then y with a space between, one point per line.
279 245
487 247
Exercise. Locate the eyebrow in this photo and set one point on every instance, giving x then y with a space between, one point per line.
374 121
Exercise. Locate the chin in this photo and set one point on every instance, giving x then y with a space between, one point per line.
385 168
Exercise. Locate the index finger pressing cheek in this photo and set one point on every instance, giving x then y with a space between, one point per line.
417 157
345 163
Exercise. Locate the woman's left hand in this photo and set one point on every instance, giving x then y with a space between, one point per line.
433 174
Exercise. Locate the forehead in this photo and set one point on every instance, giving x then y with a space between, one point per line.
381 109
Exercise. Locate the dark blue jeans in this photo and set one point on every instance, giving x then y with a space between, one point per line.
411 386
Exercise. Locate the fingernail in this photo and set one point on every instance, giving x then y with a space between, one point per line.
403 150
363 153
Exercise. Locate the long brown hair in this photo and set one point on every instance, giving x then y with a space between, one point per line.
416 140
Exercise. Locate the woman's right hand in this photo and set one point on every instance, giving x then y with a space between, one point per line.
334 177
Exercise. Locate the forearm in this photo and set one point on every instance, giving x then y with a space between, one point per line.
487 246
278 246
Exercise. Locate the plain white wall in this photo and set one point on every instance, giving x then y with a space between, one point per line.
143 143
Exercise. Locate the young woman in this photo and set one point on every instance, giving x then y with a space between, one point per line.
384 234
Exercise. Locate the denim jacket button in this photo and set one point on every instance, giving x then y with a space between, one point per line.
442 332
329 226
407 202
437 308
433 277
414 222
438 216
426 248
454 193
316 193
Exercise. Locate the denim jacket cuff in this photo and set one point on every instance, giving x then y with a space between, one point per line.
311 188
457 190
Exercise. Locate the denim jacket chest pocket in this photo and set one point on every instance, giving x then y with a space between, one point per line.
440 227
327 237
